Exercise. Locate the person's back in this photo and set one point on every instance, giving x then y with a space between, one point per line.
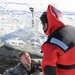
64 41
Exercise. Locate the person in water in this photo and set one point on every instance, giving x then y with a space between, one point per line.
27 66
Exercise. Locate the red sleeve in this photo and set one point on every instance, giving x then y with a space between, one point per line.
49 55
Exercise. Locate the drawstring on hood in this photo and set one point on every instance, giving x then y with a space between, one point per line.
55 19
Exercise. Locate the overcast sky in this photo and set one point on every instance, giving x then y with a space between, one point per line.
64 5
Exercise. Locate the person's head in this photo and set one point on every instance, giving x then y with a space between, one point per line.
25 58
44 21
52 19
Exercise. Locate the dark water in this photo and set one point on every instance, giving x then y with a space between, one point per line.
9 57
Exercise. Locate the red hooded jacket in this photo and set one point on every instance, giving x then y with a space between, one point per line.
59 50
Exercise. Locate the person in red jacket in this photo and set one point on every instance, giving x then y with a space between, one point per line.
59 49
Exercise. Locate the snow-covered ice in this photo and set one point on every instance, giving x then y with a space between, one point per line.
23 36
19 30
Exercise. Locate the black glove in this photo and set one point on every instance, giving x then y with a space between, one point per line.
35 66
